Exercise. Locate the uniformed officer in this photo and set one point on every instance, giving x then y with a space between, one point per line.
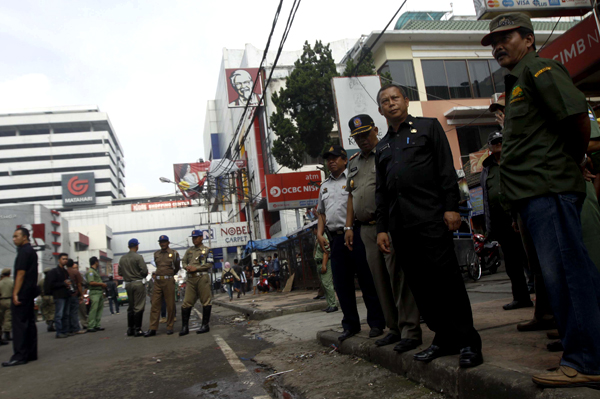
96 290
167 265
398 304
345 264
6 289
417 203
197 261
546 133
133 269
47 305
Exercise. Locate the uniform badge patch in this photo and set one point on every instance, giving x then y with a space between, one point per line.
343 187
353 169
325 190
357 122
517 94
351 183
541 71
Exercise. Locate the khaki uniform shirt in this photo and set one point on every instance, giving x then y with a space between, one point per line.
93 276
197 257
333 201
167 262
6 288
361 184
539 95
132 267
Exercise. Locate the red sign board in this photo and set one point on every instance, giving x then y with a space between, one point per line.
116 272
293 190
153 206
578 49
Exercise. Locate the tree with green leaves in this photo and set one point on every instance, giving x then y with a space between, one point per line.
305 111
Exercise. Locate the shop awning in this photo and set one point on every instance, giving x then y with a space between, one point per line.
465 115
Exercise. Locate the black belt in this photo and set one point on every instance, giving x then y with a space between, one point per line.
338 232
7 297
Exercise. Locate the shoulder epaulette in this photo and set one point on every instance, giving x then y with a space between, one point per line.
353 156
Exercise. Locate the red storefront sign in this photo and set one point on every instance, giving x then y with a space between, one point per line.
153 206
116 272
293 190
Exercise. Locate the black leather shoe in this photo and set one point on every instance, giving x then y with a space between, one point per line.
555 346
14 363
169 332
433 352
100 328
130 332
518 305
91 330
375 332
537 325
347 334
388 340
406 345
3 342
470 357
317 297
332 309
150 333
326 309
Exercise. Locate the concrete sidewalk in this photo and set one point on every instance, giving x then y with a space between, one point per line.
511 358
274 304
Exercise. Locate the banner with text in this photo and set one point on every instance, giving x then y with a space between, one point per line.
225 235
293 190
153 206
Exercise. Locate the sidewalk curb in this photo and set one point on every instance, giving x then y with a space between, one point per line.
444 375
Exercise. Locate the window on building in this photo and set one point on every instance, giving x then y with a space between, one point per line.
33 131
481 78
403 73
108 242
498 74
473 138
458 79
436 83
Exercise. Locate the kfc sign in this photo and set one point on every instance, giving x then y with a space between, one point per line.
293 190
78 189
240 82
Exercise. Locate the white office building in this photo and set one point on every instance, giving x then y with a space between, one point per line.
43 152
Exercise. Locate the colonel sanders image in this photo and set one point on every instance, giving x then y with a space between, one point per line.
242 83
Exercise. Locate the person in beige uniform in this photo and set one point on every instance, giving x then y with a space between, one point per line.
6 291
133 269
47 304
397 302
167 265
197 261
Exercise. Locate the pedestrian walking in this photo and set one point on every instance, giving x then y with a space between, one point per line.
346 264
255 275
397 302
133 269
168 264
6 290
546 133
83 309
96 289
417 199
229 278
75 298
197 261
248 275
324 270
23 296
47 303
59 284
112 293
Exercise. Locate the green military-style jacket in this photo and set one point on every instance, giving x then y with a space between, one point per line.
6 288
93 276
197 257
132 267
539 95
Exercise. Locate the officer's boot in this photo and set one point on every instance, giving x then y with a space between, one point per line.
205 319
185 320
130 319
51 326
3 341
139 316
6 336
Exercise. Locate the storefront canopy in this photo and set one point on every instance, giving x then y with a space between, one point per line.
263 245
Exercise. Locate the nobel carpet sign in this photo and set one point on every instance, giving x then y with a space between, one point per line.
293 190
78 189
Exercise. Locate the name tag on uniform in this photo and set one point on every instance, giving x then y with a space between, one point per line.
353 169
385 147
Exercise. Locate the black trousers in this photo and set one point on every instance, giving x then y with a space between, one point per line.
515 258
346 264
24 331
433 275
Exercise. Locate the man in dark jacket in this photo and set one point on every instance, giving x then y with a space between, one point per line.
112 292
58 282
499 226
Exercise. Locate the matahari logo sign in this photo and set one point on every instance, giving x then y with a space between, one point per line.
78 189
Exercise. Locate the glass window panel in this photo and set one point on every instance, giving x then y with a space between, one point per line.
458 79
498 73
403 73
481 79
436 84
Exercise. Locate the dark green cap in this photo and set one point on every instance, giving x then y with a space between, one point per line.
507 22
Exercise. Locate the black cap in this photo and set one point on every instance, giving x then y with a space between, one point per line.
336 151
494 136
360 124
507 22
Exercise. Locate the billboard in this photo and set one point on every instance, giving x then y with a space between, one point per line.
353 96
226 235
190 177
78 189
293 190
488 9
239 87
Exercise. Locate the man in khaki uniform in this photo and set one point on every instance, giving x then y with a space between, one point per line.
167 265
397 302
6 291
47 304
197 261
133 269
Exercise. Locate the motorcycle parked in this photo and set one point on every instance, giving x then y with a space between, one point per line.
485 258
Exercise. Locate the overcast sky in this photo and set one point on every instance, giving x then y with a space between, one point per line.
153 64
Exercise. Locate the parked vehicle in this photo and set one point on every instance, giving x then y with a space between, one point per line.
122 297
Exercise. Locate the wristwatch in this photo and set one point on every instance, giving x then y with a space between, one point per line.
348 228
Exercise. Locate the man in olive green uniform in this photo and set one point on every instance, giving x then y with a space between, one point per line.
397 302
546 134
6 291
197 261
96 289
133 269
167 265
47 304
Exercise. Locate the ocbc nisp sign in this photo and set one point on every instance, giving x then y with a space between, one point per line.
78 189
293 190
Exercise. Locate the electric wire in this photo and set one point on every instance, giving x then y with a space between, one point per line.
555 25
